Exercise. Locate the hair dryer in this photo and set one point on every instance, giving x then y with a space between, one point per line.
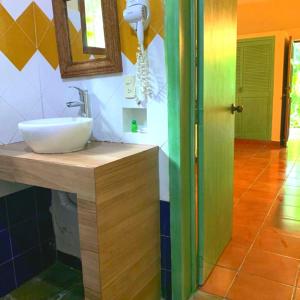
137 14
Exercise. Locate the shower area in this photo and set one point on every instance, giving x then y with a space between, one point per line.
40 248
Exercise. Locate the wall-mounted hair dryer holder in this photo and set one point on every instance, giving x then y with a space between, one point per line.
138 15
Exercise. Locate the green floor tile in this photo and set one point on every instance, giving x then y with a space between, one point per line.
34 289
59 282
61 276
75 293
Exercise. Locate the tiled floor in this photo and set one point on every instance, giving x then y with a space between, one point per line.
59 282
263 259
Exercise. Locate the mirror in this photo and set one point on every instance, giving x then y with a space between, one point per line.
88 39
92 26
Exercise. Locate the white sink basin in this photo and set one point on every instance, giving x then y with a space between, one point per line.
61 135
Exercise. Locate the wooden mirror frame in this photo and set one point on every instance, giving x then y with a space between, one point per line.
111 62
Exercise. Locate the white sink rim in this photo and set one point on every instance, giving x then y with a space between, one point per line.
50 122
57 135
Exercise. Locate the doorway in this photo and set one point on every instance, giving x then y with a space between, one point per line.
295 93
254 88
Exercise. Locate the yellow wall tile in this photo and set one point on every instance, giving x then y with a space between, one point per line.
34 30
27 24
6 21
48 46
149 36
42 24
157 15
128 37
72 31
121 6
76 48
16 46
129 42
162 32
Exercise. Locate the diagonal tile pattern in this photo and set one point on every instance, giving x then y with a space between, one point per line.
31 86
28 27
263 259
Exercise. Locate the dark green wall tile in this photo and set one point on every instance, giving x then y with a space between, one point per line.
7 282
28 265
21 206
3 214
24 236
5 248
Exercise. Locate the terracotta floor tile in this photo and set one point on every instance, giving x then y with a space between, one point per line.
273 241
271 266
267 201
244 235
240 182
233 256
297 295
249 218
266 187
262 195
219 281
255 208
238 192
204 296
251 287
273 175
256 202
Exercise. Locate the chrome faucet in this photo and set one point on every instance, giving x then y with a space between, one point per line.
83 102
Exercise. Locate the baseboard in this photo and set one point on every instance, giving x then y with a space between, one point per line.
69 260
274 144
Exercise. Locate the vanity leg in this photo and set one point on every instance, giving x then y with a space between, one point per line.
89 249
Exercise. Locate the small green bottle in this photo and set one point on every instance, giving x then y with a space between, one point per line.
134 126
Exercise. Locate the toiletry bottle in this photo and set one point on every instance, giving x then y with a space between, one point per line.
134 126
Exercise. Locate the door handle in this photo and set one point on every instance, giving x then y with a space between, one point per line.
236 108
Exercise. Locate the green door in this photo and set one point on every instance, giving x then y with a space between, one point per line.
255 76
217 92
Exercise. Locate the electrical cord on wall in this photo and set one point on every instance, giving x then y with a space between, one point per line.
144 89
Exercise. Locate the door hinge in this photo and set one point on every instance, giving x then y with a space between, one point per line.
196 141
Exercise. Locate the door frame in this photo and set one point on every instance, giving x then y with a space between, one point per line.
286 90
184 42
181 69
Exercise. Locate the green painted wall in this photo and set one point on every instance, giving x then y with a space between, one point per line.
180 53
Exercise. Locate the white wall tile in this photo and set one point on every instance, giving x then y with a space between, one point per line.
74 16
9 120
55 92
16 7
164 175
23 94
39 92
8 72
45 6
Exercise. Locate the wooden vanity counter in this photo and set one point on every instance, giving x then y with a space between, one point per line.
118 211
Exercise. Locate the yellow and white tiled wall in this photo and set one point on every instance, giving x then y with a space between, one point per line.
31 86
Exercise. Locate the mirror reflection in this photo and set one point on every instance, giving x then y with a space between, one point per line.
86 30
92 20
